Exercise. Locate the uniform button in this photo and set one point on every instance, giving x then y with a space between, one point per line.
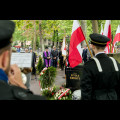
22 94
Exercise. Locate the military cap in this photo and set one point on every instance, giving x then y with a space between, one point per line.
7 28
98 39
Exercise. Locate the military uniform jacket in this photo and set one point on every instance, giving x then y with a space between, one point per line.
8 92
103 85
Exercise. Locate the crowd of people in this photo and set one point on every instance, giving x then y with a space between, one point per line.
53 58
100 78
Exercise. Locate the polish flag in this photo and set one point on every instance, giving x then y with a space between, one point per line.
75 50
64 47
107 32
116 38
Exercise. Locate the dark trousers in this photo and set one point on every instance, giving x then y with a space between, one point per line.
54 63
61 65
34 70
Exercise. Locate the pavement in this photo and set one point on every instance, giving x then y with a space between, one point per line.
59 80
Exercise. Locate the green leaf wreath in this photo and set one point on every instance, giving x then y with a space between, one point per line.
48 77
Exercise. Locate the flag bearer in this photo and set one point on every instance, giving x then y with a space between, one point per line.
101 75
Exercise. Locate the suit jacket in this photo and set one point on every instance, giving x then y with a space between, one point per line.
54 53
97 85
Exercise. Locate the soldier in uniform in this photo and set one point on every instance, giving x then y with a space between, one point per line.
101 75
11 85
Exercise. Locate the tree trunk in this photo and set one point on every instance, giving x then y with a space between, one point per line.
95 26
84 28
57 37
34 42
41 38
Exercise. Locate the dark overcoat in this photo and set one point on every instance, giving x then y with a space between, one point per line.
103 85
84 55
9 92
33 63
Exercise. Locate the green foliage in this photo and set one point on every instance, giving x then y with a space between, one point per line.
25 29
89 29
48 78
40 65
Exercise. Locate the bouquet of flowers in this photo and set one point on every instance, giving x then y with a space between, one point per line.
63 94
49 92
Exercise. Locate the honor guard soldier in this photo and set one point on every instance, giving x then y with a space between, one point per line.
101 75
11 85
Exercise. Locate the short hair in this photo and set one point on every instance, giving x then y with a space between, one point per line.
100 47
8 47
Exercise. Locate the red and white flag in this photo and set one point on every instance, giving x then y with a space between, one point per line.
64 47
107 32
116 38
75 50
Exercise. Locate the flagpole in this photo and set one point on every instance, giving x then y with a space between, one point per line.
65 42
89 48
114 50
111 46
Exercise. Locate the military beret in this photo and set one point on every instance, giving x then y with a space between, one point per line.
7 28
98 39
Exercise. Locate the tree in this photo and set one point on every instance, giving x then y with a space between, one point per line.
95 26
84 28
35 35
41 35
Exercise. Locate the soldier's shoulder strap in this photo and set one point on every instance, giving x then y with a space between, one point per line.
115 63
99 65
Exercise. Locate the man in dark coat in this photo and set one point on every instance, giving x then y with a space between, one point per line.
47 57
54 55
101 75
84 54
61 58
33 61
11 85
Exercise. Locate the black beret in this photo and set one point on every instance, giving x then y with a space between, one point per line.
98 39
7 28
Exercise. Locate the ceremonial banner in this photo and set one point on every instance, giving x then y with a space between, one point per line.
107 32
75 50
116 38
64 47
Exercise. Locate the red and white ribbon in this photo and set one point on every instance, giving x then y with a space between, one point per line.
63 94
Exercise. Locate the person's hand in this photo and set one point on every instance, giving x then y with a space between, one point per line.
48 57
15 77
